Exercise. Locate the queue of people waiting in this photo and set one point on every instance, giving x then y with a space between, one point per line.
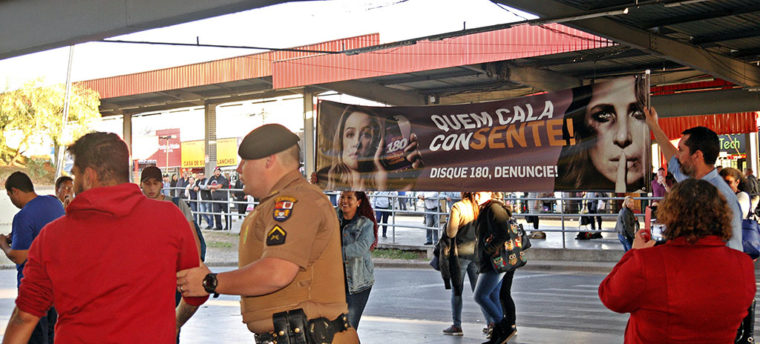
215 200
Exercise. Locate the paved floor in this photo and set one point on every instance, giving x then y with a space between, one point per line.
552 308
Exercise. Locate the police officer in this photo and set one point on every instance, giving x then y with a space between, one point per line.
290 274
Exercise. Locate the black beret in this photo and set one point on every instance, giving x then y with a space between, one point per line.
266 140
150 172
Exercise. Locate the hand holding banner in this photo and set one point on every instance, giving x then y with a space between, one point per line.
590 138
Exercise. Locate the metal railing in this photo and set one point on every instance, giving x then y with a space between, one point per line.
227 209
518 203
566 209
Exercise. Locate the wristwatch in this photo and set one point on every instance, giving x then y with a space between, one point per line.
209 284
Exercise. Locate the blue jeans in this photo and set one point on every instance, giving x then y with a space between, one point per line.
469 268
194 208
431 220
205 207
487 295
626 244
382 217
356 303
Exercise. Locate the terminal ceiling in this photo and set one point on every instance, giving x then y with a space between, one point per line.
679 41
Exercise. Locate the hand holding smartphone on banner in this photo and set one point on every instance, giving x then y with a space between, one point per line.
398 149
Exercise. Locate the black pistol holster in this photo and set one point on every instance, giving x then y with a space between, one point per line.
292 327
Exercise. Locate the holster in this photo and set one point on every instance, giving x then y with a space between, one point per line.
292 327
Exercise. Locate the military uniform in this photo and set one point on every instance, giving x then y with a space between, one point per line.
297 223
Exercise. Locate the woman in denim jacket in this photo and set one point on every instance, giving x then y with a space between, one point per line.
359 236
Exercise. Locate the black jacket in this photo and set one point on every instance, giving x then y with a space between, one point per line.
492 232
448 261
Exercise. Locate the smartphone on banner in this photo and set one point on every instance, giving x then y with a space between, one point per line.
396 138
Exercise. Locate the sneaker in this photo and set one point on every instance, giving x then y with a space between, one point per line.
453 330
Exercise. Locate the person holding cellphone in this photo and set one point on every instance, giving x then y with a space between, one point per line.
692 289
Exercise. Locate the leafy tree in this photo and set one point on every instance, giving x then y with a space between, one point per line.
36 111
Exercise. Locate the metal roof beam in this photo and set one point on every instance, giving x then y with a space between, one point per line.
468 98
401 79
726 36
376 92
706 103
542 79
701 16
720 66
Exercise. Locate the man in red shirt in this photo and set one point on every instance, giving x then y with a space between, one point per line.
109 265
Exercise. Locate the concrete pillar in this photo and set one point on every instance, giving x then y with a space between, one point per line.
308 144
750 150
210 138
126 135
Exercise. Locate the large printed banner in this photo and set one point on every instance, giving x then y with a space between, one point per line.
591 138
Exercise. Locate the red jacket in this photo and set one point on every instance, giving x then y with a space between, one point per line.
109 268
681 293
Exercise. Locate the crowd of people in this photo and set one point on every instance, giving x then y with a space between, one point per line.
114 250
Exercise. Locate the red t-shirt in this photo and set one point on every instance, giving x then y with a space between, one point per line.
109 268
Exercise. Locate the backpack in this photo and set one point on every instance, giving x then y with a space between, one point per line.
176 201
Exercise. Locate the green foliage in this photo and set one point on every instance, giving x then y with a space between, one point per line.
36 167
219 244
397 254
36 110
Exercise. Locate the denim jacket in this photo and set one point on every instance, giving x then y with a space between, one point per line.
357 237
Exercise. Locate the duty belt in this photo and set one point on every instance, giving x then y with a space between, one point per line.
291 327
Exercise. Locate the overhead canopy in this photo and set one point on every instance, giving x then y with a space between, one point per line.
719 38
28 26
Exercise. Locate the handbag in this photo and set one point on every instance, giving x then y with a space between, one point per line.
511 255
746 332
751 236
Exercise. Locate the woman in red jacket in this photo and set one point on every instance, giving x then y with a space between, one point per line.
692 289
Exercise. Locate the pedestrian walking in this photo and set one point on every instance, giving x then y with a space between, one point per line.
383 208
204 196
432 207
626 225
291 275
457 256
109 265
35 213
358 229
492 232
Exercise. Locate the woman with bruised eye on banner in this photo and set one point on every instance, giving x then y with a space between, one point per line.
358 161
611 138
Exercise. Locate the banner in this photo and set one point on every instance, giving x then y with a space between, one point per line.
590 138
226 152
193 154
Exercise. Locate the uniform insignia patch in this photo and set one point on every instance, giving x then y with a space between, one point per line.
276 236
283 208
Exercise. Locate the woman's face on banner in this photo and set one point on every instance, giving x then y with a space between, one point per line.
616 116
357 137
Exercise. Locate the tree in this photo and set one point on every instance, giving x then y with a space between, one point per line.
36 111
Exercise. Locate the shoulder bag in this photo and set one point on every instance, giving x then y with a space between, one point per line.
511 255
751 235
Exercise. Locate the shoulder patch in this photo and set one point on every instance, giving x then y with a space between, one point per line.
283 208
276 236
